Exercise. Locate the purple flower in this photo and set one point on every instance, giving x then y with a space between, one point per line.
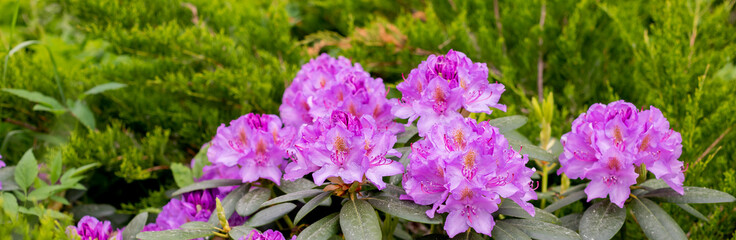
2 164
441 85
344 146
253 142
608 141
328 84
267 235
193 206
465 168
89 228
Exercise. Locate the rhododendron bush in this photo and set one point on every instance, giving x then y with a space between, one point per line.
309 141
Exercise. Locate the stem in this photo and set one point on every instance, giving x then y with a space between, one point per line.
545 177
288 221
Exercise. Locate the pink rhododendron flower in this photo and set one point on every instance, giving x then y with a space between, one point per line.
441 85
328 84
465 168
608 141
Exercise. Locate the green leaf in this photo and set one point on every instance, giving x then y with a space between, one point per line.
510 208
94 210
197 225
517 141
200 160
542 230
358 220
408 133
240 231
27 170
7 178
44 192
103 87
207 184
230 201
321 230
570 199
81 111
510 123
468 235
293 196
59 199
135 226
400 233
296 185
10 203
309 206
505 231
692 195
182 175
403 209
692 211
37 97
176 234
68 176
571 221
252 201
654 221
55 167
404 160
270 214
602 220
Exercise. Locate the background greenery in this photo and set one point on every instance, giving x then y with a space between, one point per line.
192 65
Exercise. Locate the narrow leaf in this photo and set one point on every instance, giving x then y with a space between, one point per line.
505 231
510 208
571 221
251 201
135 226
293 196
230 201
270 214
309 206
359 221
55 167
36 97
207 184
408 133
26 170
602 220
510 123
542 230
94 210
81 111
692 211
104 87
296 185
403 209
692 195
654 221
175 234
182 175
468 235
570 199
323 229
197 225
240 231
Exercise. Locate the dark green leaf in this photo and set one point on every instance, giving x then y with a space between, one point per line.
542 230
135 226
358 221
404 160
517 141
309 206
270 214
94 210
7 177
602 220
692 195
403 209
81 111
505 231
208 184
197 225
182 175
692 211
293 196
37 98
321 230
570 199
408 133
510 123
654 221
230 201
251 201
468 235
296 185
571 221
104 87
510 208
26 170
176 234
400 233
240 231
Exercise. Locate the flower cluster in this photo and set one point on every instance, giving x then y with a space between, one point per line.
256 143
345 146
193 206
89 228
326 84
608 141
465 168
267 235
441 85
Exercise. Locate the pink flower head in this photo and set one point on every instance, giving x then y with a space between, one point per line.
89 228
465 168
256 143
345 146
608 141
441 85
267 235
328 84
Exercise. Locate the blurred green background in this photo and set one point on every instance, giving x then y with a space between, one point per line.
192 65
